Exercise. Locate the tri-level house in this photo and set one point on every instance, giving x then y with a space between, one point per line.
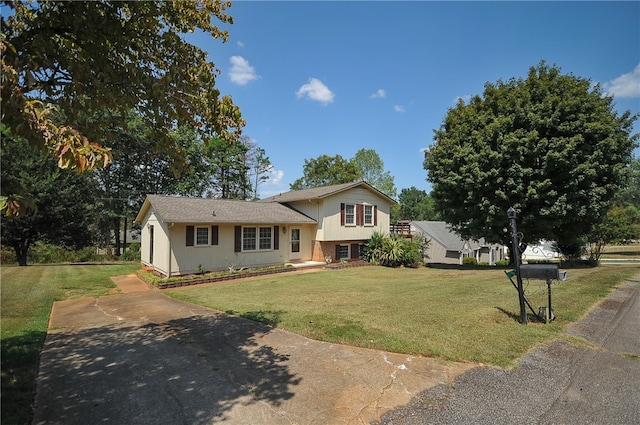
183 235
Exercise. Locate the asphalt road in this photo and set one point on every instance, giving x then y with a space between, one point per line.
561 383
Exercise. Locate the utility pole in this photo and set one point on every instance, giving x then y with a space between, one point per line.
515 254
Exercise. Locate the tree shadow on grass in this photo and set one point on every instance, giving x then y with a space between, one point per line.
19 356
191 370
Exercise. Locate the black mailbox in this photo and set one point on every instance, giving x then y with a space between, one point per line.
542 271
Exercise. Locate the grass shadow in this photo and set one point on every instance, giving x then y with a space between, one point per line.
19 368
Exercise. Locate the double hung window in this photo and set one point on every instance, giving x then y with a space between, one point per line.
257 238
202 236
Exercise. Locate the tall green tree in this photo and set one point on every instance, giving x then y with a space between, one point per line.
620 225
372 171
61 199
63 60
229 169
550 145
414 204
326 170
138 168
258 163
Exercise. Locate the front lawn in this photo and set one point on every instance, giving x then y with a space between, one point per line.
27 296
452 314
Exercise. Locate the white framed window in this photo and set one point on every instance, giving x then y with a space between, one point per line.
350 215
265 238
368 215
202 236
257 238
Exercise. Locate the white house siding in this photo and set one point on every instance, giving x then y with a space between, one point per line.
160 243
189 259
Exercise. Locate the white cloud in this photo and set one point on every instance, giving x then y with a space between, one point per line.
241 72
316 90
466 98
240 44
626 85
378 95
398 108
275 177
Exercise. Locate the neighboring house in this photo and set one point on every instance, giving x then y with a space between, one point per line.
447 247
187 235
543 251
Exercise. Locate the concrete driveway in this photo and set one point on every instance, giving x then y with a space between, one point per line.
140 357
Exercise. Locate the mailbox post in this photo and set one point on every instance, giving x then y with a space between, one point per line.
546 272
515 254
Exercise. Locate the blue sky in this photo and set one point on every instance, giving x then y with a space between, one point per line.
314 78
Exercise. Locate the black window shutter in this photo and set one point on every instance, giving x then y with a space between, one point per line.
342 214
214 235
189 235
375 215
355 250
237 240
337 257
276 237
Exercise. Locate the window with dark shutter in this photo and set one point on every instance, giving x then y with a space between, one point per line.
342 214
237 239
375 215
276 237
190 237
214 235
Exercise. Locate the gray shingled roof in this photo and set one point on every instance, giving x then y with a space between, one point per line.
440 231
321 192
174 209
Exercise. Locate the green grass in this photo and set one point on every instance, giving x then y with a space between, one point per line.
631 251
464 315
28 294
460 315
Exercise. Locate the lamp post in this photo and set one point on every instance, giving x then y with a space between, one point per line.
515 254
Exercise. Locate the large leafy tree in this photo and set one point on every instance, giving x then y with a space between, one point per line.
372 171
414 204
620 225
550 145
61 60
629 195
326 170
139 168
61 200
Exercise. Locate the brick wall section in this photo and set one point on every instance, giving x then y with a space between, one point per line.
323 249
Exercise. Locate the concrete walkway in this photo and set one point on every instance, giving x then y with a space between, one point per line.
140 357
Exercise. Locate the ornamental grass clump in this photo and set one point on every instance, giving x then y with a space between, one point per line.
394 250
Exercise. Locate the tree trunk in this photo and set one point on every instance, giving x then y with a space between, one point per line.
124 235
116 229
21 250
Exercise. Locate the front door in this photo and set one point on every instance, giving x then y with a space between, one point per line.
295 253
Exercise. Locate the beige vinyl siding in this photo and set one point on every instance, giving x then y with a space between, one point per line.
333 230
188 259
